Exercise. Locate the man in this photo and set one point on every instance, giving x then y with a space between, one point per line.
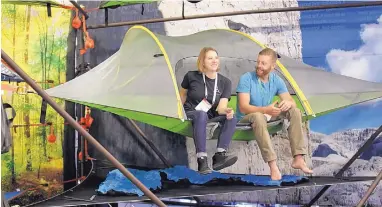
255 93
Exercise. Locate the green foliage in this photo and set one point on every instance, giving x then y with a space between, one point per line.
37 43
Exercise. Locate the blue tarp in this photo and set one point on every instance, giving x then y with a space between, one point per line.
10 195
117 182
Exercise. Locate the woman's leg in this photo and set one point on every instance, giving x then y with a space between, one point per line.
222 159
226 133
199 124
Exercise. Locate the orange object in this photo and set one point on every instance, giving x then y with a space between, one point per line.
76 22
51 136
88 41
80 156
8 87
86 123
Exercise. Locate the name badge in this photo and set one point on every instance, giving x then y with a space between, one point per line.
204 105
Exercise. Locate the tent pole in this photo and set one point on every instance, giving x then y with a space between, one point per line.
81 130
370 190
147 140
340 173
150 143
257 11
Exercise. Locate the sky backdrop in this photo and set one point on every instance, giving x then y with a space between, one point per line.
349 42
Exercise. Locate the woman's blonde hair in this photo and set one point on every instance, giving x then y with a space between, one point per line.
202 56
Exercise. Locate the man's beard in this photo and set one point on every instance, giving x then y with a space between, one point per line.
262 73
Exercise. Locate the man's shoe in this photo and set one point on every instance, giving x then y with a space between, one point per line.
222 160
203 167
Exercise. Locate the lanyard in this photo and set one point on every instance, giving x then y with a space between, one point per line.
205 88
263 91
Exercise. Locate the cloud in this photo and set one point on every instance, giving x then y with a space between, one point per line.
364 63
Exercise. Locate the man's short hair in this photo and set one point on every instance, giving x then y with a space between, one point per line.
269 52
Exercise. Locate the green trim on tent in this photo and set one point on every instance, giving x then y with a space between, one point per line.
177 126
114 4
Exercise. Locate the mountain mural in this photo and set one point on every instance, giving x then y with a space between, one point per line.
331 152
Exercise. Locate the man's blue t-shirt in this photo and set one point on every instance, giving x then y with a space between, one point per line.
261 94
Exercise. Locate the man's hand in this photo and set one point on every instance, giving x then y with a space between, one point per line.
229 113
272 110
285 105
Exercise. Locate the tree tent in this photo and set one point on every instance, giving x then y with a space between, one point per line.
141 80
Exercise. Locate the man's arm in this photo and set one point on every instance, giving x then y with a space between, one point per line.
245 107
287 101
287 97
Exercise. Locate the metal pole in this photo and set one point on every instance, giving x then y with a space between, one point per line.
370 190
153 147
364 147
80 9
82 131
257 11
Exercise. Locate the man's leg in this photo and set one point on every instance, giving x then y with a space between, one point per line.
199 124
260 129
296 139
222 159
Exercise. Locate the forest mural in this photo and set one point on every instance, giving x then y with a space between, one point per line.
37 43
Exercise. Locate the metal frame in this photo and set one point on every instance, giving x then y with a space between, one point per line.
257 11
340 173
370 190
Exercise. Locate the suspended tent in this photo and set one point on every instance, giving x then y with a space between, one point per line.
141 81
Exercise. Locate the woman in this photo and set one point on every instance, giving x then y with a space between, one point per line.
202 104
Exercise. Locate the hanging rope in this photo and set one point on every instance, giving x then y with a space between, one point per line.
88 41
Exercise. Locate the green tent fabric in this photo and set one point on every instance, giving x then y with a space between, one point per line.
113 4
142 79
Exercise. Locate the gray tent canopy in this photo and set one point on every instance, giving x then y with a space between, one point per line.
142 79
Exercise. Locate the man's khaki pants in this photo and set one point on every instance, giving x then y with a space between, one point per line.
259 126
